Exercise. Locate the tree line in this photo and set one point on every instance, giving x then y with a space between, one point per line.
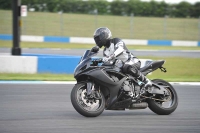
117 7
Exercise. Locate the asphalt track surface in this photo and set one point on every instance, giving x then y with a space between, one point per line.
44 108
79 52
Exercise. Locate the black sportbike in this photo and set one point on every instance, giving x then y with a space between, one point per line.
103 86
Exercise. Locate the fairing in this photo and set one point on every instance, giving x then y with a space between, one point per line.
85 72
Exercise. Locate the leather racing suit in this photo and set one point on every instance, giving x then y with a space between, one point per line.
117 49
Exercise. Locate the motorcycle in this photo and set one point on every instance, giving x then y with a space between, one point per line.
102 86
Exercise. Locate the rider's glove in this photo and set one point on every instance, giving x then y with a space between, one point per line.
95 49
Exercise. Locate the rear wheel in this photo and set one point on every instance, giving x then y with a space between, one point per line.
164 105
87 106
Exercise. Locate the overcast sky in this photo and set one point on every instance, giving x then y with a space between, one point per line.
172 1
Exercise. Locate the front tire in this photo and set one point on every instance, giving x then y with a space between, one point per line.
158 107
88 108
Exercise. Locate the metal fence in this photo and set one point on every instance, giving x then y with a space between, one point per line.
83 25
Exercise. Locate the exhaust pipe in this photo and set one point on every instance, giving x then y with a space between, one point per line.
142 105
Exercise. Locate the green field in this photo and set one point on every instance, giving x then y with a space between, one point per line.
178 69
81 25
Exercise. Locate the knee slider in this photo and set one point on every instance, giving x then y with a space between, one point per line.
131 70
125 68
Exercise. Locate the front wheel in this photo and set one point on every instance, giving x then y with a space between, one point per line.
165 105
86 106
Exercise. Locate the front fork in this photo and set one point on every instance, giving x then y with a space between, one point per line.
92 92
90 87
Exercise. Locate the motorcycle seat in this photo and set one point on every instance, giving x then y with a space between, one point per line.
152 65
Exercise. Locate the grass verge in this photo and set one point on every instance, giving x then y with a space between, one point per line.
37 77
178 70
8 44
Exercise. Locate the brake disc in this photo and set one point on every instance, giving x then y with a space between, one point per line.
88 102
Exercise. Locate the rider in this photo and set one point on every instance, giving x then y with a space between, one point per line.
116 48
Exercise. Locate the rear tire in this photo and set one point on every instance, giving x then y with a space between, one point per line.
80 104
156 107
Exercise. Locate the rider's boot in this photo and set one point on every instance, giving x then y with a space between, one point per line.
136 73
147 82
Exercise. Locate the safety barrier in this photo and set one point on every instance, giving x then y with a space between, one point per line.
38 63
86 40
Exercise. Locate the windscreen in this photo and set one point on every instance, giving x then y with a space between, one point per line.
87 52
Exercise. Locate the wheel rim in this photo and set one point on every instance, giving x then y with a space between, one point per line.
168 101
88 104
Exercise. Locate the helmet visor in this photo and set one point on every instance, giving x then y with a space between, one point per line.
98 41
